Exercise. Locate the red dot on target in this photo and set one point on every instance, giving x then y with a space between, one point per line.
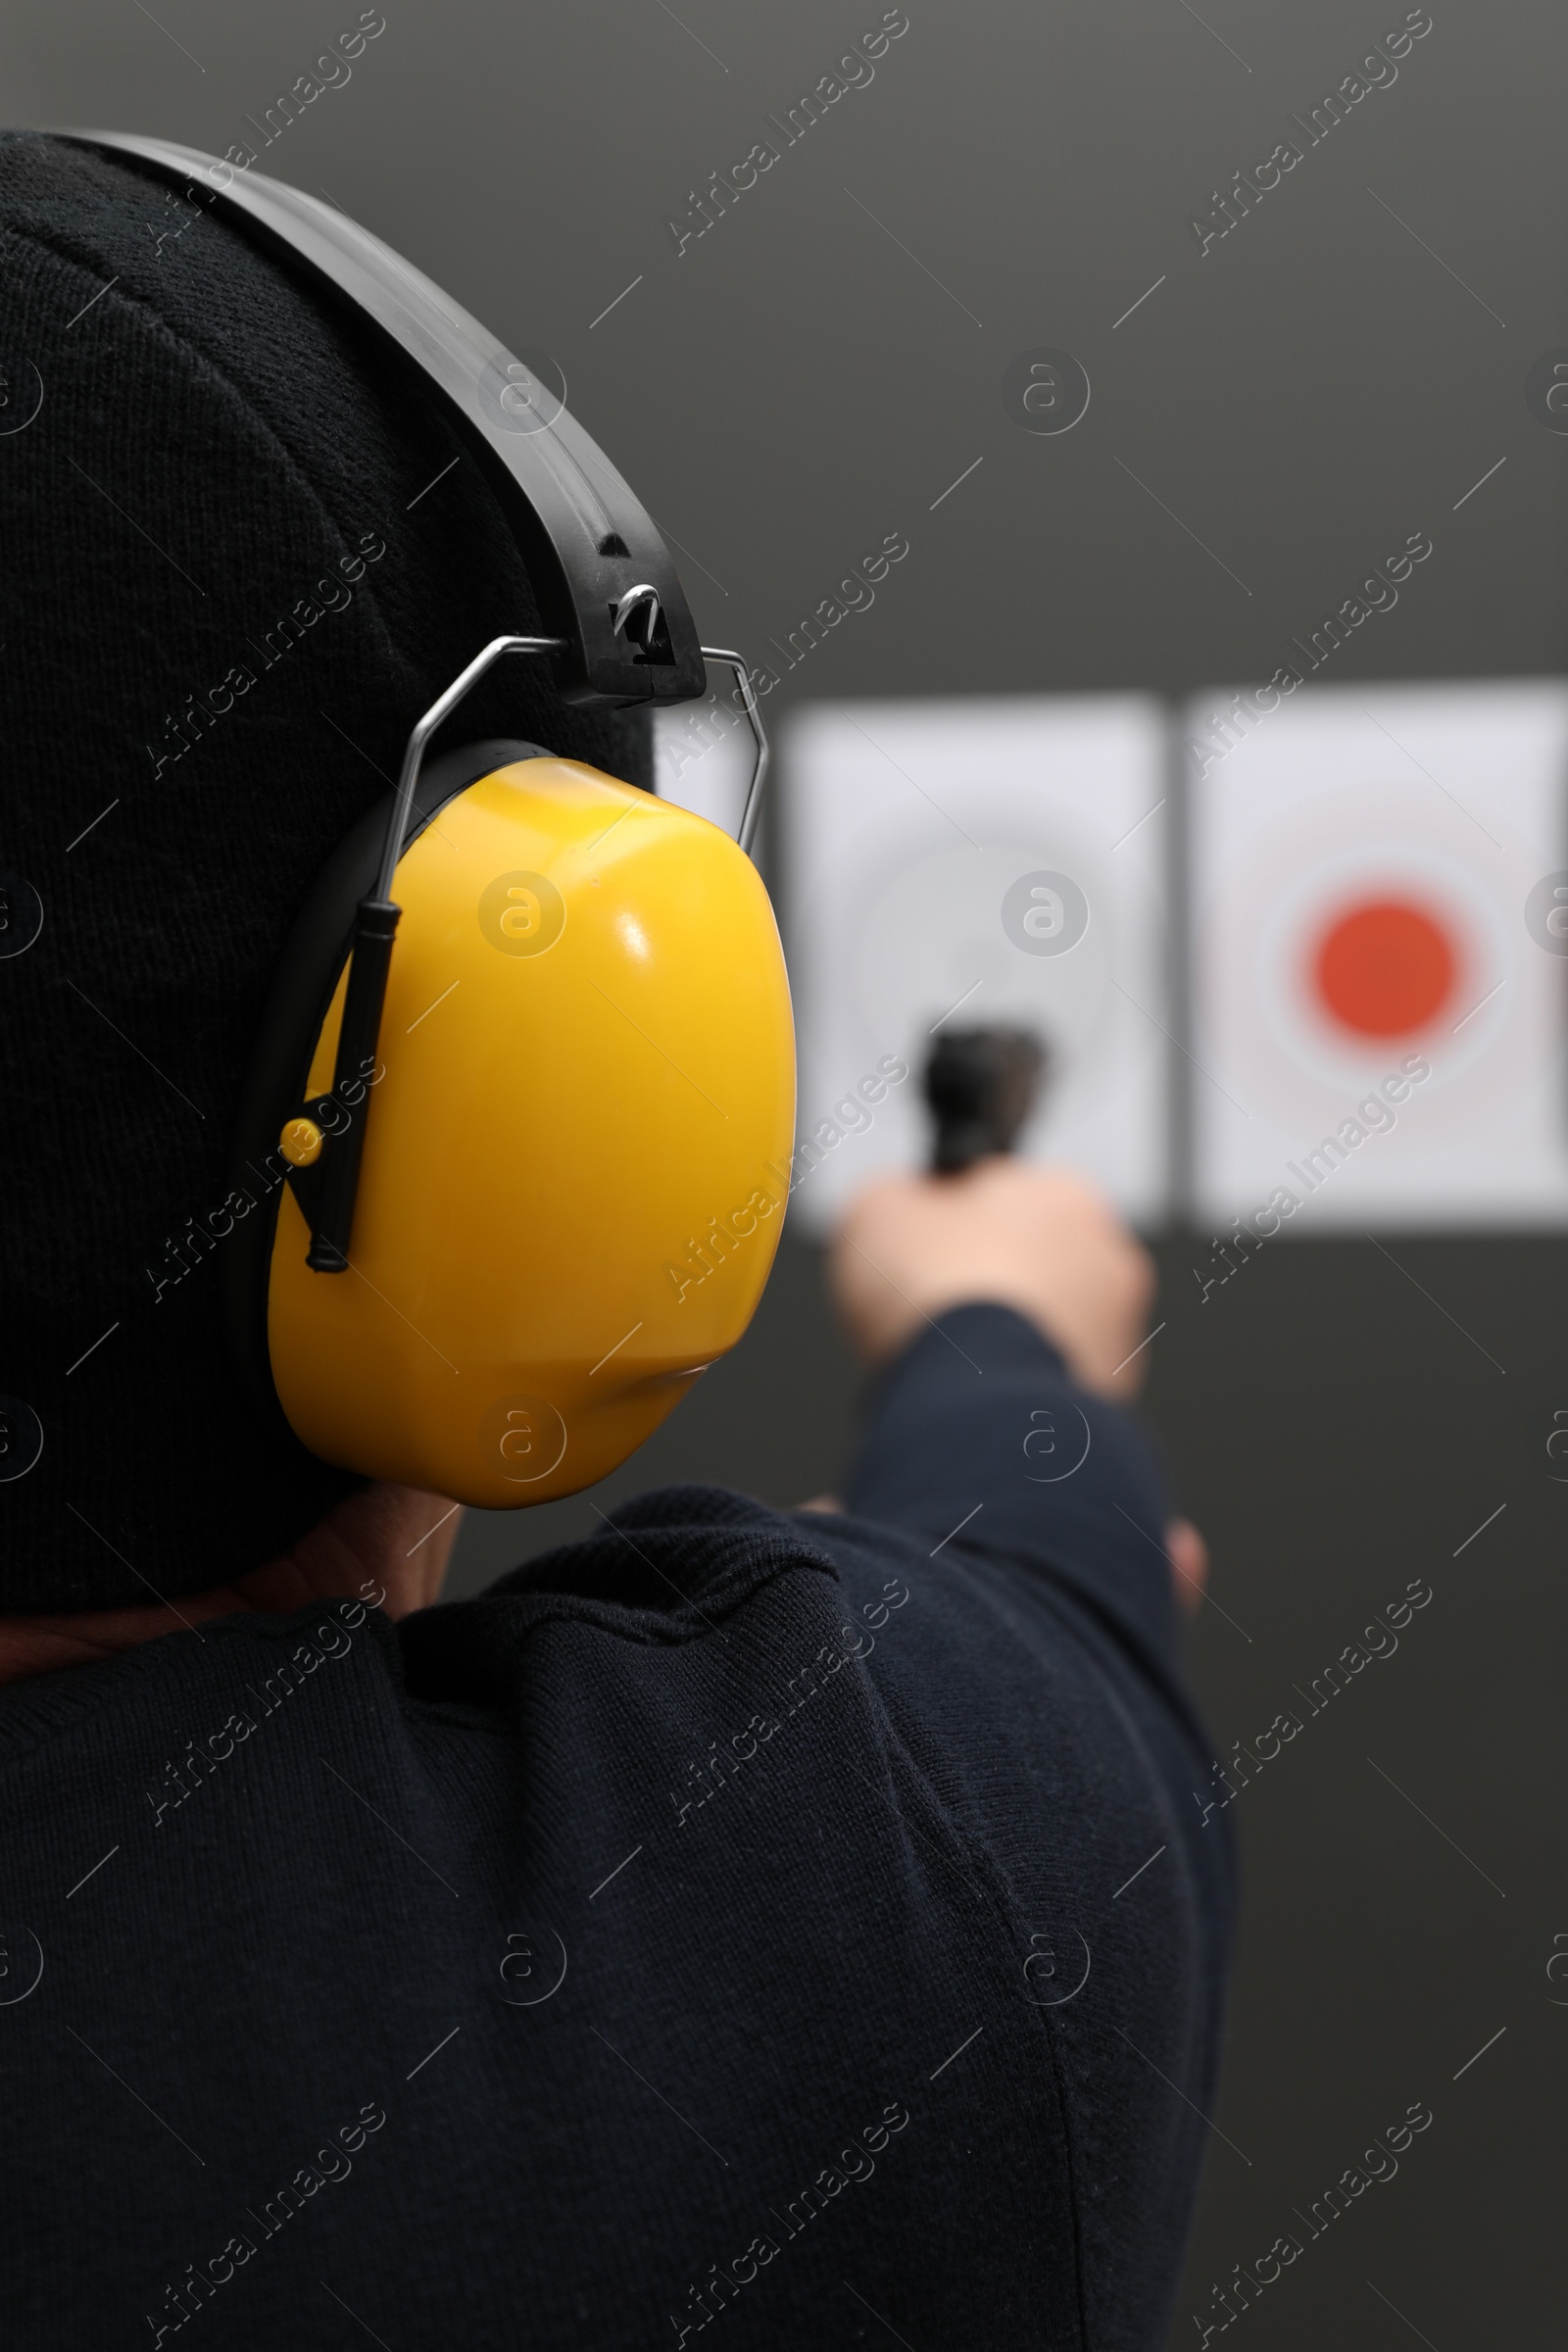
1385 967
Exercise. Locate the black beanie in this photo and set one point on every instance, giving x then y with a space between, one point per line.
197 445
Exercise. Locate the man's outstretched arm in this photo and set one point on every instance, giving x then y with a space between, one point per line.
1003 1308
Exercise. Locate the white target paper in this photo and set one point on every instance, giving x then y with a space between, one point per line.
1372 871
960 864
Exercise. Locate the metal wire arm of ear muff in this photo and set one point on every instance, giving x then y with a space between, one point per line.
637 618
753 809
375 922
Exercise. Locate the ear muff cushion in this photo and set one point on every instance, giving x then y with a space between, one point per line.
308 973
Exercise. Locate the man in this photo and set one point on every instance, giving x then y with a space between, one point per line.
796 1926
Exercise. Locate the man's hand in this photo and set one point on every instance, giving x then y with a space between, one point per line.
1041 1240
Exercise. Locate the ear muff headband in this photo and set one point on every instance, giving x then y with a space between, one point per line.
587 541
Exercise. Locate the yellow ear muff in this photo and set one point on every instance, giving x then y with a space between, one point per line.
576 1152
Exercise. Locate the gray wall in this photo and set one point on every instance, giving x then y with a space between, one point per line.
1281 409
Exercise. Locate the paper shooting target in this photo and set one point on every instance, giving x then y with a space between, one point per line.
954 864
1362 869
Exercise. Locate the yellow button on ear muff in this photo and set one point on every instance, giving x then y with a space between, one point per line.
300 1142
577 1147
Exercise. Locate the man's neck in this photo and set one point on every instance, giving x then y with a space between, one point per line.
387 1545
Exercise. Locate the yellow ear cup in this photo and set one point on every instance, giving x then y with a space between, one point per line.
575 1156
